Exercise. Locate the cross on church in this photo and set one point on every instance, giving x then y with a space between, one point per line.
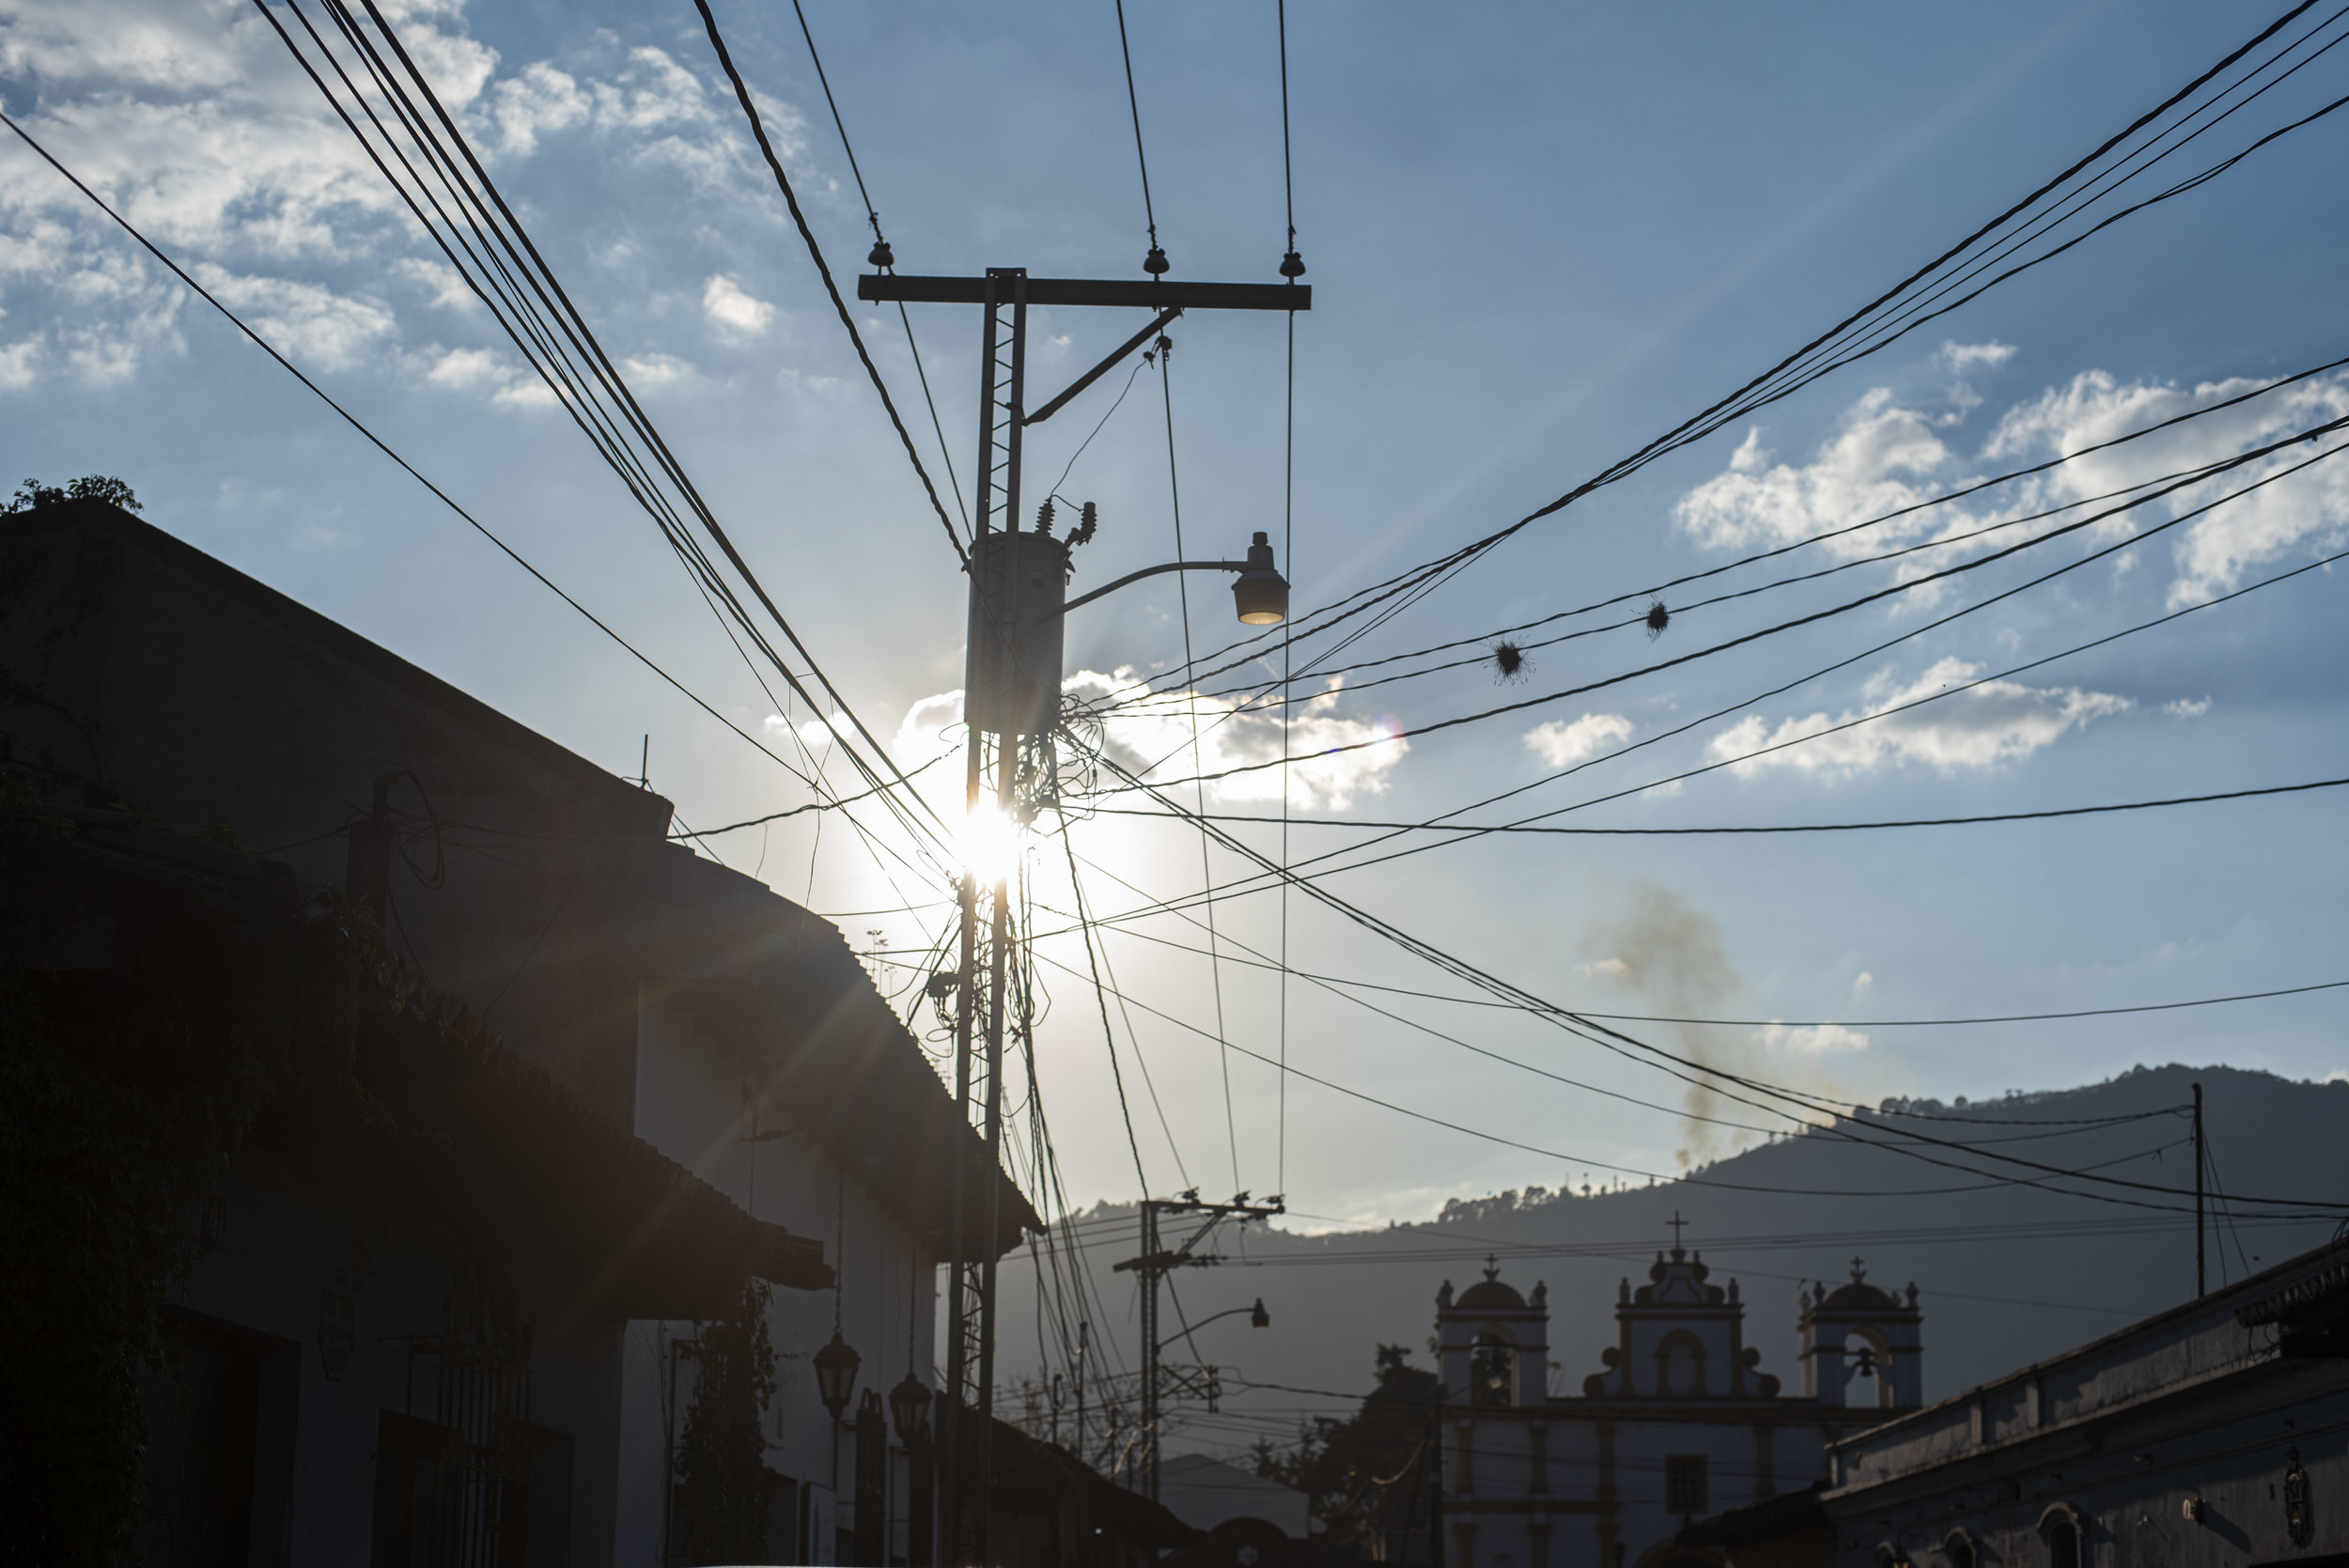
1492 1266
1676 1223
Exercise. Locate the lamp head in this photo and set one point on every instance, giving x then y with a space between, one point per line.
1262 594
1258 1317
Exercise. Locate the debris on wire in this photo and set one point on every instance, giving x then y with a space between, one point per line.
1657 619
1510 663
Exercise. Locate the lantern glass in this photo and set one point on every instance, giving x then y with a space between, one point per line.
835 1374
910 1402
1262 597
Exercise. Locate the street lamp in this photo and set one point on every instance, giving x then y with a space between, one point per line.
1262 594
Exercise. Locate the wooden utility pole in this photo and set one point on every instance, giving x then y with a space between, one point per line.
2201 1286
1011 690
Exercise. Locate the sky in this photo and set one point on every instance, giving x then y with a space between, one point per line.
1538 237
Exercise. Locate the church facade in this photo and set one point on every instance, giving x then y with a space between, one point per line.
1679 1423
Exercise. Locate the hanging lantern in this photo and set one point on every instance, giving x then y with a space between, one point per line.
910 1402
835 1374
1262 594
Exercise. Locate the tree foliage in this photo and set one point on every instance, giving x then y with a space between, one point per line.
723 1479
1367 1476
33 494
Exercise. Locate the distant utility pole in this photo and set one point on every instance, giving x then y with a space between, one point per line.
2200 1286
1158 1261
1011 703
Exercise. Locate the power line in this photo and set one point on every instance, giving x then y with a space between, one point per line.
1155 263
1237 890
1207 869
1258 701
1800 367
783 182
475 196
1779 827
378 443
1799 622
1677 1112
1109 1037
1616 1041
1260 962
2086 1173
884 259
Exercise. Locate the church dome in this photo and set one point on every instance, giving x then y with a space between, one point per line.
1491 1296
1858 1297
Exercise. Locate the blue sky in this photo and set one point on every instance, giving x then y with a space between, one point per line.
1539 236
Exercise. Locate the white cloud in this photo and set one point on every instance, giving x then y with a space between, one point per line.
307 322
725 302
1825 1039
1962 357
189 117
1885 456
1562 744
18 365
448 290
1996 722
656 369
1150 734
465 367
2187 708
538 101
1879 459
1861 984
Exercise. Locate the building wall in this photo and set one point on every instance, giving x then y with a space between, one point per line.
1601 1480
2188 1414
535 887
267 1278
700 1103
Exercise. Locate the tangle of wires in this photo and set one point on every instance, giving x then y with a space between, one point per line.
386 102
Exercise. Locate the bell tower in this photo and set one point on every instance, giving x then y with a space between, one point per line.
1862 1346
1493 1343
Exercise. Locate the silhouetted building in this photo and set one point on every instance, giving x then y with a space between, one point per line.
451 1307
1681 1422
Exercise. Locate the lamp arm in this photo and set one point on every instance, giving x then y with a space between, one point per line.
1151 571
1233 1311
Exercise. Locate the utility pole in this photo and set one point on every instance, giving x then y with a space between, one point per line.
1155 1262
1011 703
1085 1354
2200 1286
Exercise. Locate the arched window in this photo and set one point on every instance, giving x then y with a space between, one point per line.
1492 1368
1680 1366
2059 1528
1957 1549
